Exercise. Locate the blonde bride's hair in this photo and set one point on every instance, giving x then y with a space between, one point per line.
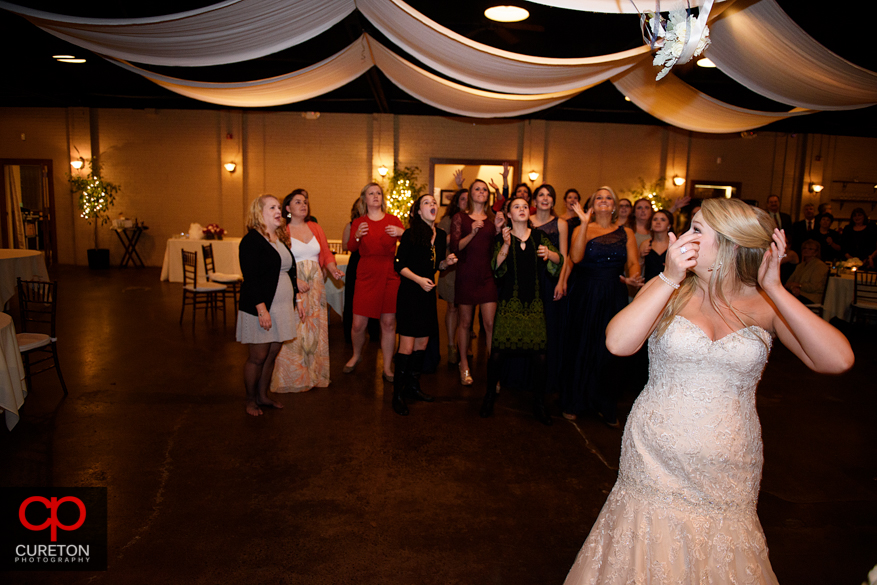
743 234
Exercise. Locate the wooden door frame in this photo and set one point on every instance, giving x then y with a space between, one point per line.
46 163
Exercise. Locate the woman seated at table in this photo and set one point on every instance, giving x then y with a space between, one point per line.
303 362
269 295
808 280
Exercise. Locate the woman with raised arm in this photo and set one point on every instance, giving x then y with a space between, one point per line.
520 320
472 233
691 456
375 234
269 306
303 362
420 255
603 252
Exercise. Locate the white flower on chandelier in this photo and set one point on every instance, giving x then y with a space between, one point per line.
676 41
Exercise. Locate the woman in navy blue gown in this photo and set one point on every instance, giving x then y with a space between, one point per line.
601 250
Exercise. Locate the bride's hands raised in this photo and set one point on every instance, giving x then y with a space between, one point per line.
769 271
681 255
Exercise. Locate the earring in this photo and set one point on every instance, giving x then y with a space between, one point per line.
714 266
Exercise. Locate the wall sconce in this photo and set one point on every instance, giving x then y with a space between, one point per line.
78 163
533 176
230 166
815 188
678 181
383 170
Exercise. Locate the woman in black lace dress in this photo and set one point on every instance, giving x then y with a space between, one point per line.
519 329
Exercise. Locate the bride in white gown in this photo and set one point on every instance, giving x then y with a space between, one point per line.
683 508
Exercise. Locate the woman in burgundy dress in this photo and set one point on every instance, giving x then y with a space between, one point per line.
375 234
472 233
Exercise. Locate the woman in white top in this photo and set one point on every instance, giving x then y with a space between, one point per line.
303 362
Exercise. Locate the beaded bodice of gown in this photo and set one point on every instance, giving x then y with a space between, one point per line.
605 255
693 439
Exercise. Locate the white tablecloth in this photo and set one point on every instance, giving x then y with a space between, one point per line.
12 386
838 297
225 257
27 264
335 288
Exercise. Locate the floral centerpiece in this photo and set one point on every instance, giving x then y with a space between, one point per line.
213 232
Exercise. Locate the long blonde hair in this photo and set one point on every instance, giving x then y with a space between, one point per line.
255 221
743 234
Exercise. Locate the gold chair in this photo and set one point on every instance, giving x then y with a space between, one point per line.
37 301
206 295
231 281
864 294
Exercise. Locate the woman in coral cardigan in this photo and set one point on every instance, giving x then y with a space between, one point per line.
303 362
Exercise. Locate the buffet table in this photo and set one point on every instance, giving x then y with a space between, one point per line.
12 386
15 264
225 257
838 297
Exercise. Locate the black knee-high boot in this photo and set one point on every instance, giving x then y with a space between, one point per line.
493 363
399 380
415 367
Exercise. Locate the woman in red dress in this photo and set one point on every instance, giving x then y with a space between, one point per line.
375 235
472 233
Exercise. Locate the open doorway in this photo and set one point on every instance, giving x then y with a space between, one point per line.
27 206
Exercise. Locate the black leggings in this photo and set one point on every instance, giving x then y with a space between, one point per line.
537 365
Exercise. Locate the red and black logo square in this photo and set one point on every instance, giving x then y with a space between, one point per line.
53 529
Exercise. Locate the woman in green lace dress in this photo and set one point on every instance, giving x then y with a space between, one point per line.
519 329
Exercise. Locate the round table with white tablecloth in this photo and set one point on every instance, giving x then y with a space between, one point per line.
15 264
225 257
838 297
335 288
13 389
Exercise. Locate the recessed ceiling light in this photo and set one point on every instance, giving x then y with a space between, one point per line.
72 60
705 63
506 13
63 57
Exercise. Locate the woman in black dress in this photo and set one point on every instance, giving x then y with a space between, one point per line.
859 238
654 250
420 255
520 319
829 239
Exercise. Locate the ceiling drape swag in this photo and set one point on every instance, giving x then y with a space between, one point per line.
759 46
327 75
677 103
456 98
483 66
229 32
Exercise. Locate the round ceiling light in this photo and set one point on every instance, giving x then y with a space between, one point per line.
71 60
705 63
506 13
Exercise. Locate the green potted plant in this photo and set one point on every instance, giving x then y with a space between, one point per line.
96 196
403 189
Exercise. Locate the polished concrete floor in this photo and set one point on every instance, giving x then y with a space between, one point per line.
336 488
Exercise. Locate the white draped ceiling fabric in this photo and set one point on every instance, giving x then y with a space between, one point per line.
677 103
753 41
799 71
228 32
486 67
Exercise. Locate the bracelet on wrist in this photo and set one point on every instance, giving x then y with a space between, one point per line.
668 281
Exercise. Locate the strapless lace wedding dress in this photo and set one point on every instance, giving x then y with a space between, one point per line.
683 508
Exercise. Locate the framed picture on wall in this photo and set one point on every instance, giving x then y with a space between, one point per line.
446 196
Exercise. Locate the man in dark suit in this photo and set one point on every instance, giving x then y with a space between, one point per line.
805 229
783 220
